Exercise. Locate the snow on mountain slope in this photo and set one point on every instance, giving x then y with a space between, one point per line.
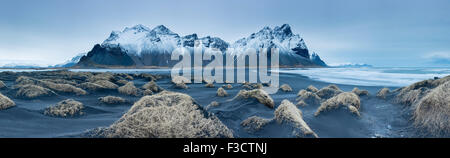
140 39
279 37
70 62
153 47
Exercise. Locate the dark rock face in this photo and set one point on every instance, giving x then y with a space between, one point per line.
153 59
108 56
316 60
301 51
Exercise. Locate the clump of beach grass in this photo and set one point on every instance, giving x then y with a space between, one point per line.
312 89
383 93
288 113
129 89
360 92
2 85
106 84
166 115
286 88
329 91
64 88
307 98
5 102
432 112
112 100
259 95
222 92
30 91
254 124
65 108
152 86
345 99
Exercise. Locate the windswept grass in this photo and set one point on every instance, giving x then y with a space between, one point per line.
65 108
166 115
259 95
5 102
345 99
288 113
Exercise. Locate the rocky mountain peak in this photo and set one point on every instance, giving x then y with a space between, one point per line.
161 29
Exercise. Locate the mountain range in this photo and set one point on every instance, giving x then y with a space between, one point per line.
140 46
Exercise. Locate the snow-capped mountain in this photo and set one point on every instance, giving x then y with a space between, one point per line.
292 48
153 47
279 37
71 62
140 39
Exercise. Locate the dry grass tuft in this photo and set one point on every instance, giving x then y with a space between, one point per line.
2 85
60 81
180 82
65 88
148 77
432 112
256 85
328 92
383 93
121 82
286 88
147 92
181 86
106 84
5 102
152 86
166 115
123 76
91 86
130 89
288 113
221 92
360 92
254 124
346 99
301 103
411 97
112 100
307 98
311 88
180 79
102 76
23 80
29 91
258 94
335 87
65 108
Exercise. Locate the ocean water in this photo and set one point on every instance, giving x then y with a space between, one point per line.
388 77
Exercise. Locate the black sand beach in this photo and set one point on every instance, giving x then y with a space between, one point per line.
378 117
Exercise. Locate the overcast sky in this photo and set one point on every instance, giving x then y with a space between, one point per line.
376 32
